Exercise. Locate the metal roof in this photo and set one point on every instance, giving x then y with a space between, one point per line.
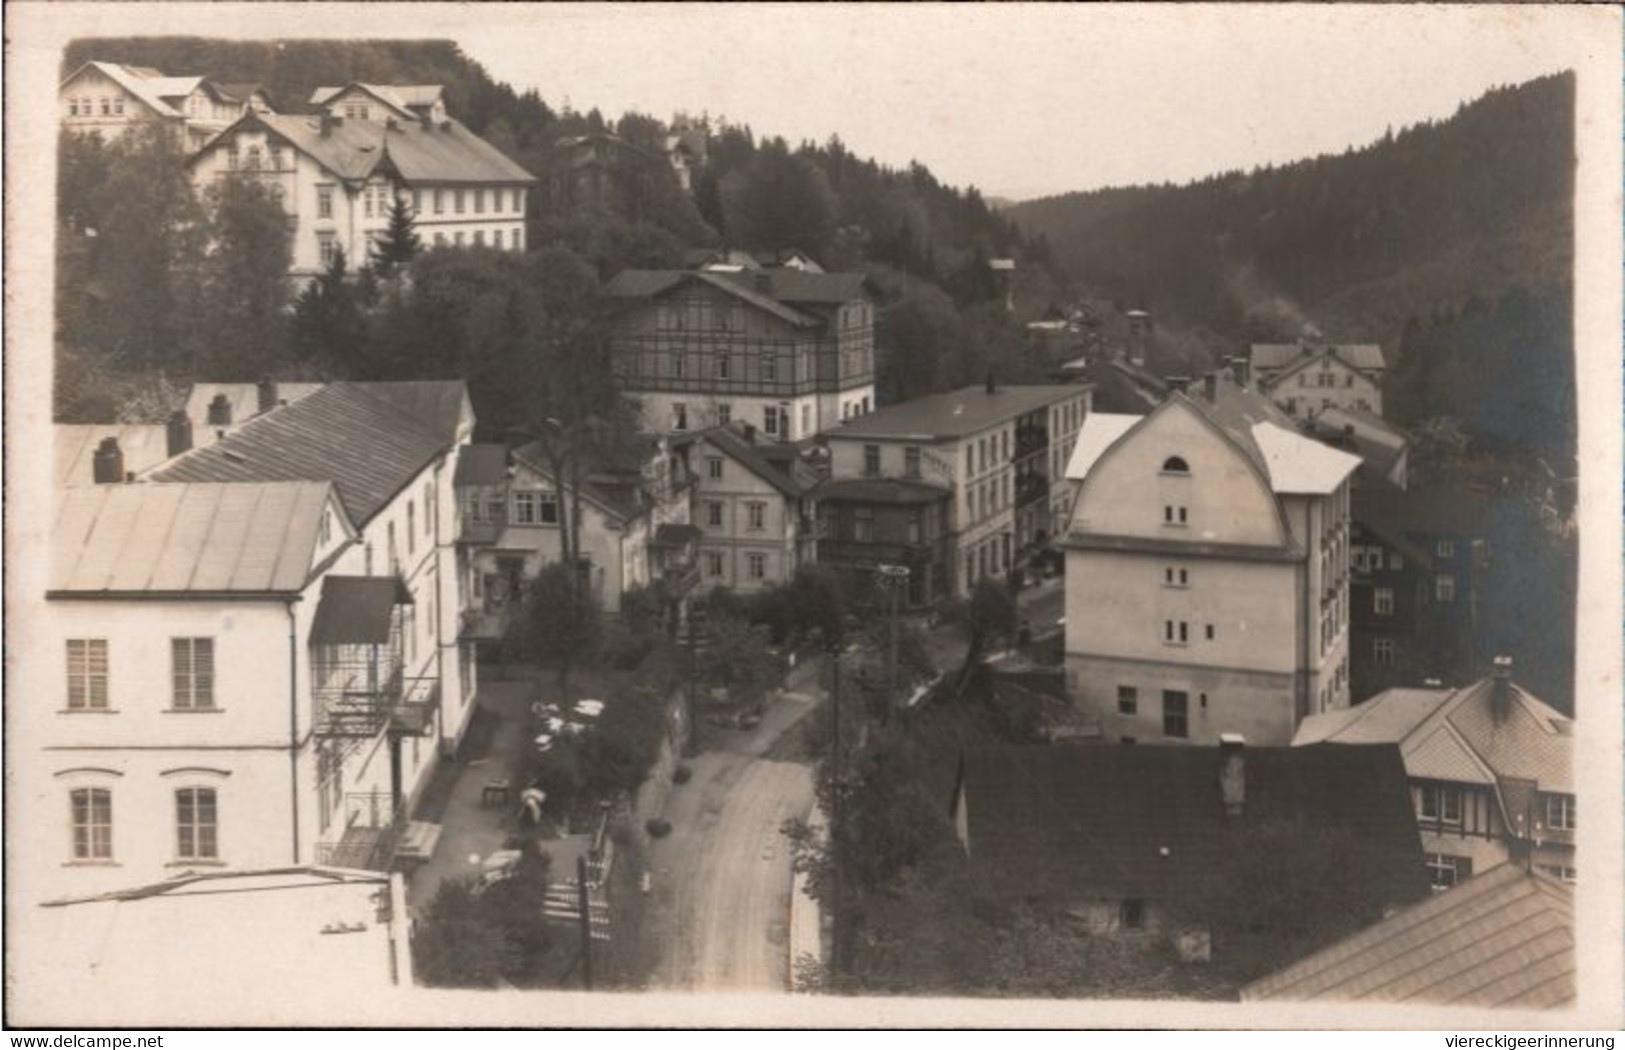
956 414
187 539
357 610
1100 430
243 398
1503 938
344 433
1301 466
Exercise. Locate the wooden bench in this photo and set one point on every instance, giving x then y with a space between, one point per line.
495 793
418 841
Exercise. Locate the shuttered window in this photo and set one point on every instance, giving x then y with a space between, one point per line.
193 661
87 674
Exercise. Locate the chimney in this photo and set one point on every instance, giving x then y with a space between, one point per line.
1348 432
265 391
178 433
750 433
427 120
219 411
1233 773
1501 688
107 465
1241 369
992 385
1178 383
1210 385
327 122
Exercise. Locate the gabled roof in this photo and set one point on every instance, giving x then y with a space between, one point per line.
145 445
790 285
650 284
141 538
779 466
614 485
1428 510
144 84
244 91
242 397
354 150
1100 431
1149 821
1299 465
1454 734
1503 938
391 95
1268 357
956 413
346 433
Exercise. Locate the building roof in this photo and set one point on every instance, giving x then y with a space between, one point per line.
1378 443
1149 821
650 284
1267 357
1454 734
147 85
1423 510
354 150
897 491
346 433
1100 431
243 91
401 96
438 404
1503 938
955 414
357 610
788 284
482 464
243 398
145 445
613 480
187 539
316 937
1299 465
776 464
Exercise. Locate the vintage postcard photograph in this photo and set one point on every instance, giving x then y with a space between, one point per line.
838 515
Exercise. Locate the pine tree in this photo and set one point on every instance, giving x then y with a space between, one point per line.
327 325
398 244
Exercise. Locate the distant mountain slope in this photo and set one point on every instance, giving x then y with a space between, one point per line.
1413 226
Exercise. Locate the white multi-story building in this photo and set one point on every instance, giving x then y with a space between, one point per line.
1207 571
254 650
338 176
106 98
1307 378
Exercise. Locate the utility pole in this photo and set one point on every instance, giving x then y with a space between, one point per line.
586 923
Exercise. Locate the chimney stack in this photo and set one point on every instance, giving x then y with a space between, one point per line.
1210 385
220 411
107 464
1241 369
265 392
1233 773
327 121
178 433
750 434
1178 383
1501 688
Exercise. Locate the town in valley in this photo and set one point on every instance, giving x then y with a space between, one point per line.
497 546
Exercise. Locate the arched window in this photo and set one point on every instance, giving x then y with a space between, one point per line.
1175 465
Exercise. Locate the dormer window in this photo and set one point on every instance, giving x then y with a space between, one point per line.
1175 465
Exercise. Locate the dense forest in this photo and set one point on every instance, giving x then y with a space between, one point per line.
925 245
1449 242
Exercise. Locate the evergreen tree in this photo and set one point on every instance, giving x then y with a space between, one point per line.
236 326
328 329
398 244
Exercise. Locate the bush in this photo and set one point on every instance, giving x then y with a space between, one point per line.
657 828
473 935
682 775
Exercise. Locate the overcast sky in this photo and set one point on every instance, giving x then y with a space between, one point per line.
1024 101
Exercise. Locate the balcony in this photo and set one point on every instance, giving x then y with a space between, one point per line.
1030 439
372 829
356 668
1031 488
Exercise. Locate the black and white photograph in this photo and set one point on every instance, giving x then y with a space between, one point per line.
555 515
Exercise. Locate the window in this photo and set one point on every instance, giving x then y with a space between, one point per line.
547 508
496 239
1172 577
1445 871
679 414
196 824
439 202
771 419
525 510
457 202
324 202
725 413
1172 515
871 459
1382 652
1128 700
713 563
770 369
756 516
326 247
679 364
713 466
757 564
1560 871
518 238
1439 804
916 528
87 674
1445 548
1211 632
192 664
911 461
1444 588
457 238
411 526
970 460
713 514
1174 712
479 238
1175 465
722 366
1382 601
1132 914
863 525
1560 812
1396 561
479 202
92 815
439 240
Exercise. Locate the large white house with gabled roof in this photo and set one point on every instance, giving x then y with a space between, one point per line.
106 98
1207 571
338 176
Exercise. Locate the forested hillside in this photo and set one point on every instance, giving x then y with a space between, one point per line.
1450 242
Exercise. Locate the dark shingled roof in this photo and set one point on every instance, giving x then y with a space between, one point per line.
1503 938
956 413
647 284
777 464
790 285
1423 510
357 610
346 433
1092 820
1270 356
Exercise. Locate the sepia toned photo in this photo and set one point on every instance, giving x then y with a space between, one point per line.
812 516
